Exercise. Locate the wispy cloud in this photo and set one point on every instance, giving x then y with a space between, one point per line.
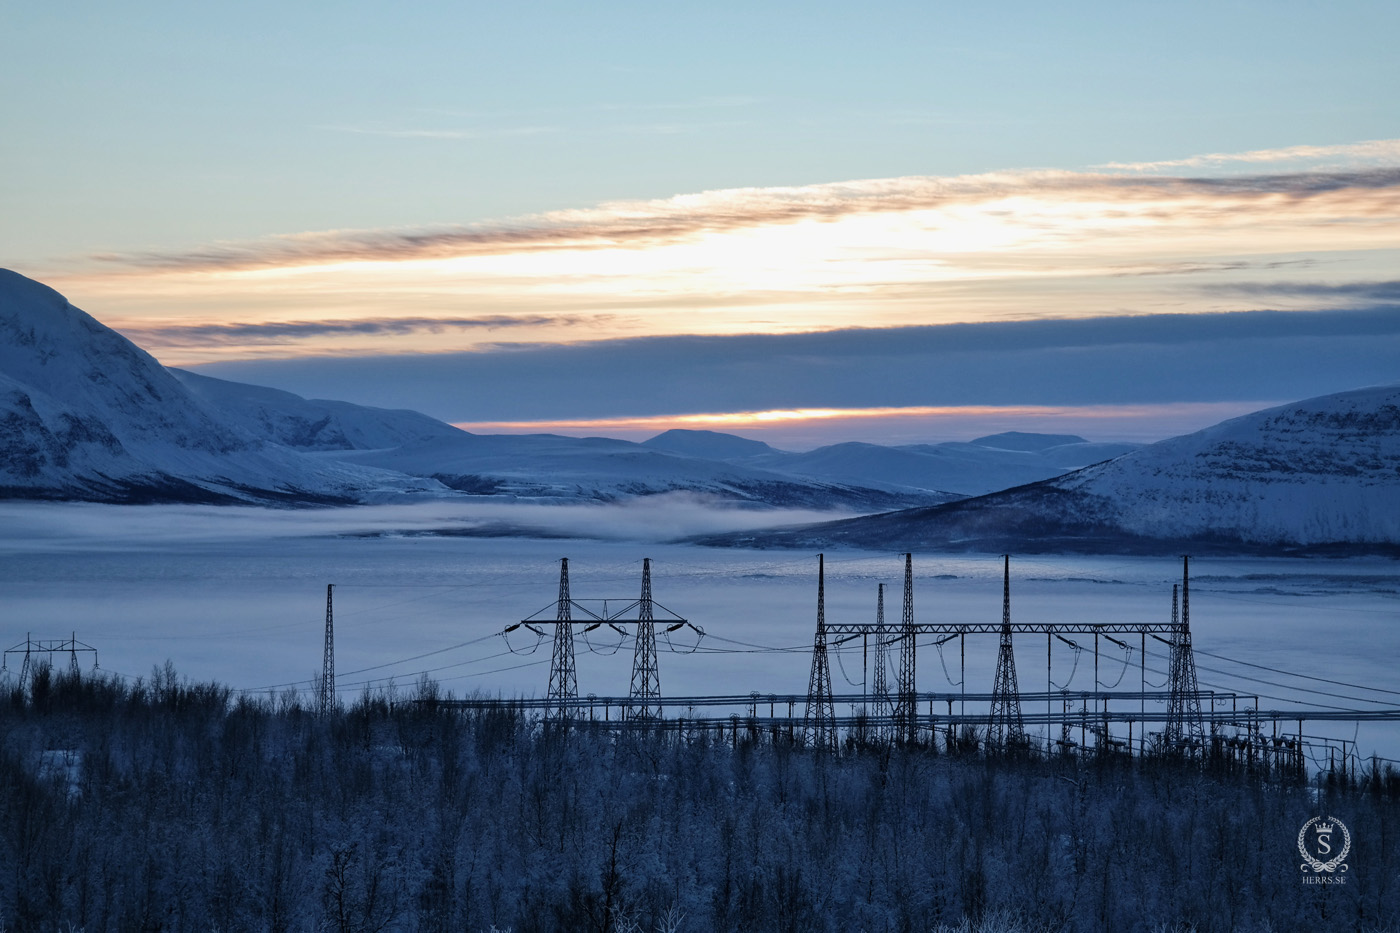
1383 293
674 128
1104 199
888 253
719 102
499 132
1376 151
1199 268
176 334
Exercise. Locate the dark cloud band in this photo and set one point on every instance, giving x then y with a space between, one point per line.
1150 359
275 331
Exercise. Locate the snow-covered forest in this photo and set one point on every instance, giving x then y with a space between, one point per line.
175 806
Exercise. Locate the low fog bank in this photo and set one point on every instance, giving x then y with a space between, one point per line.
31 526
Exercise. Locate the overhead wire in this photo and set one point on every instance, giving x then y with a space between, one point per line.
1127 659
1265 667
949 677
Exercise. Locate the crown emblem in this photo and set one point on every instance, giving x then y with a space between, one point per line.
1324 827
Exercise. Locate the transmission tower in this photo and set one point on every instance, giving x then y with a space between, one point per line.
819 729
563 678
646 675
906 713
50 647
328 697
1007 729
1185 729
881 689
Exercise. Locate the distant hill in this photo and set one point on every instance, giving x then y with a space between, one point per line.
1321 475
603 469
1019 440
953 469
710 445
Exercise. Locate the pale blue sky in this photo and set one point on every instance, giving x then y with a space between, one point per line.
137 125
547 174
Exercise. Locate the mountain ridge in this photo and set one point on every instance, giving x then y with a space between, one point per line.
1320 475
85 414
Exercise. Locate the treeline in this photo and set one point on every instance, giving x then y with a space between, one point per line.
163 805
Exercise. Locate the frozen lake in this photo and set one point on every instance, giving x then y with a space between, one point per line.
238 596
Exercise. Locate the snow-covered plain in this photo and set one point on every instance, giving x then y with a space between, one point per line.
238 595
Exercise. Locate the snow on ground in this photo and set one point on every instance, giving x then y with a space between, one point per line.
238 595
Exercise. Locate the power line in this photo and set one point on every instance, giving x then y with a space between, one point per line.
1265 667
1272 683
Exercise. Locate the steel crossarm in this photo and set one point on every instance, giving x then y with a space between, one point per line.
1017 628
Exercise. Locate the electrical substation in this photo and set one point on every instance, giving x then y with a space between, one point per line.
1129 716
1175 718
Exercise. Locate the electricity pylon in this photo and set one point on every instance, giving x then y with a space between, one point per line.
563 677
646 675
906 711
819 727
1185 729
881 689
1007 729
328 697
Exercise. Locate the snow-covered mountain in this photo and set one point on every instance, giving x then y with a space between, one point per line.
311 424
708 445
600 468
968 468
86 414
1316 475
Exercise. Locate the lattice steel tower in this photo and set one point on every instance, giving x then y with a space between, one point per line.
1185 729
563 678
1007 729
327 700
907 711
819 726
881 690
646 675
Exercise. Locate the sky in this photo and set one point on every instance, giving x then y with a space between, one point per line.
798 222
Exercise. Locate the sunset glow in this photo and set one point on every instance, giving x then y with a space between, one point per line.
827 223
884 253
801 428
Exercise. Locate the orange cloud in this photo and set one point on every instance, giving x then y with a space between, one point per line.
646 224
892 252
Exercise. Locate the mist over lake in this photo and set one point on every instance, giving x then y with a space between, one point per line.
239 596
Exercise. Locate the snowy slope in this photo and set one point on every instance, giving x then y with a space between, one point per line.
888 467
1320 475
86 414
549 465
1322 470
952 469
1021 440
708 445
310 424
